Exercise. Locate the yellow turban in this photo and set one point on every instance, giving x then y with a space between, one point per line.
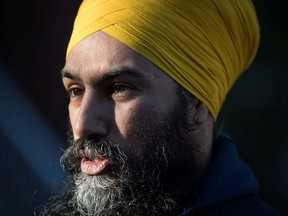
204 45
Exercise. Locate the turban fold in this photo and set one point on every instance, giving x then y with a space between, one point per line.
204 45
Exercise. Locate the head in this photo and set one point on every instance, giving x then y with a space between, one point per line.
139 138
153 134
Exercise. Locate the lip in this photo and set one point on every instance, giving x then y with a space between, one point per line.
95 167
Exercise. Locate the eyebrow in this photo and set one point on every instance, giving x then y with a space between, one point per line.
66 74
123 71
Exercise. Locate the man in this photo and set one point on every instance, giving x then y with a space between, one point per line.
146 80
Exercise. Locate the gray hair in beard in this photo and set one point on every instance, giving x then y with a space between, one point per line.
98 194
127 188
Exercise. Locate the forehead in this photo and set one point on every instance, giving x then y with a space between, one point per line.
101 53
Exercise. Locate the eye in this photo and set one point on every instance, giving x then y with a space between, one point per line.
75 92
121 89
118 88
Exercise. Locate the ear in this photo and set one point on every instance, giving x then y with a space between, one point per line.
198 113
202 112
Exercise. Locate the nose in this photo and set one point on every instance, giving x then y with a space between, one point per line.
92 117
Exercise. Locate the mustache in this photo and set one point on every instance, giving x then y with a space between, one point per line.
91 148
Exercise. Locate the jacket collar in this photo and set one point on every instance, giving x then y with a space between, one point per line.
226 178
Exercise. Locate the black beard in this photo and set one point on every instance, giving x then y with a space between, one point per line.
158 182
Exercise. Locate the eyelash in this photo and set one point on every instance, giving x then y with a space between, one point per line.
75 92
117 89
120 88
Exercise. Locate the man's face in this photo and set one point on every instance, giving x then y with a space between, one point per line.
112 88
127 152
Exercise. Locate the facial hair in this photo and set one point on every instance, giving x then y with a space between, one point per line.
154 183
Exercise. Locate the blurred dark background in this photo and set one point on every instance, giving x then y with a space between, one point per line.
33 114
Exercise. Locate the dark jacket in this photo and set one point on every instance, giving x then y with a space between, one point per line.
228 187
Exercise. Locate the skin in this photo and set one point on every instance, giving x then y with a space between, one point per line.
111 87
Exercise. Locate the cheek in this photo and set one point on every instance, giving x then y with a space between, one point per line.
125 117
132 118
73 113
128 118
